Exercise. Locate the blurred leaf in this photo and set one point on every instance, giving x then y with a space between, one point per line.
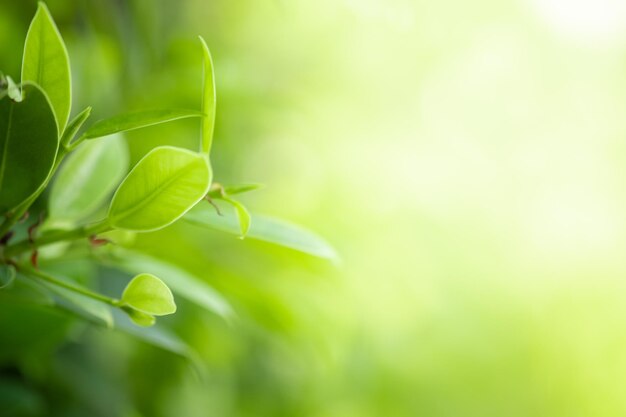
208 98
13 90
19 399
243 216
218 190
148 294
180 281
47 63
264 228
160 189
137 120
27 149
87 178
84 307
7 275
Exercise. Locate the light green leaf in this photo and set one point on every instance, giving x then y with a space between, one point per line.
28 146
85 307
265 228
218 190
148 294
208 99
74 126
7 275
243 216
160 189
13 90
181 282
87 178
47 63
137 120
139 318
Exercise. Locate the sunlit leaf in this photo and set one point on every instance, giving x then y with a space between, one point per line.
218 190
243 216
7 275
137 120
160 189
264 228
47 63
181 282
149 295
87 178
208 98
28 146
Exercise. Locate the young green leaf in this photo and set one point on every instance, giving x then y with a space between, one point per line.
148 294
139 318
243 216
28 146
137 120
181 282
208 99
47 63
87 178
7 275
160 189
74 126
265 229
218 190
13 90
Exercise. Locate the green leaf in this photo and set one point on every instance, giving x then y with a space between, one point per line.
148 294
243 216
139 318
218 190
137 120
87 178
28 146
266 229
7 275
160 189
47 63
208 99
13 90
87 308
74 126
181 282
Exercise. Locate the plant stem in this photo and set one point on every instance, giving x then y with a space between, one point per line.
80 290
53 237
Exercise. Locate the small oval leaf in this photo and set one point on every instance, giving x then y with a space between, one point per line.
148 294
28 146
47 63
137 120
160 189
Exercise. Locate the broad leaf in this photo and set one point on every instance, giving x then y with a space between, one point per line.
148 294
47 63
208 99
7 275
87 178
28 146
137 120
181 282
160 189
264 228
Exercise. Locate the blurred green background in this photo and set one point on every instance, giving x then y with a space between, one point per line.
466 159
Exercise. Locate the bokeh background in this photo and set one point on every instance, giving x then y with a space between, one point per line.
467 159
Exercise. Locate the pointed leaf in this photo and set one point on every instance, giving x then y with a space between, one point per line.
137 120
160 189
87 178
47 63
265 228
182 283
74 126
208 99
218 190
243 216
28 146
149 295
7 275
